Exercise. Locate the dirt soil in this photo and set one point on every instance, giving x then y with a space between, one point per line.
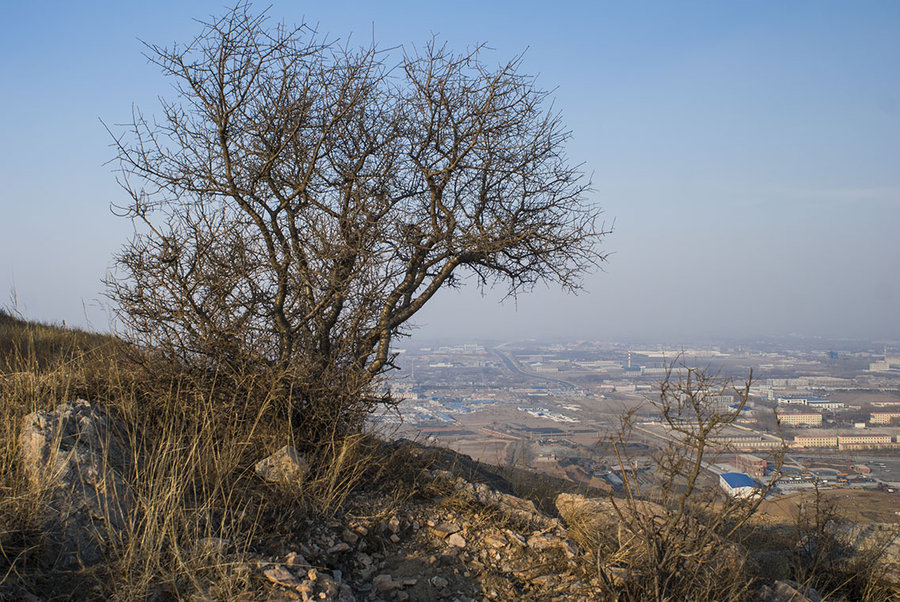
858 506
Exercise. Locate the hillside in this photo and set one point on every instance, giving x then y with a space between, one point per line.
154 487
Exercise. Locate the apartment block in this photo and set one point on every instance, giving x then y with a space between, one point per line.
815 441
883 417
862 441
797 418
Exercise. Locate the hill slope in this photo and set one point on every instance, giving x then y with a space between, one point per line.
369 519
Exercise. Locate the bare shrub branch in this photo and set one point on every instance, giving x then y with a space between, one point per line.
298 201
677 529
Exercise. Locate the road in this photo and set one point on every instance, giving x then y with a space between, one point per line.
515 369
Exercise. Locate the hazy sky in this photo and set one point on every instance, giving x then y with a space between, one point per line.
748 153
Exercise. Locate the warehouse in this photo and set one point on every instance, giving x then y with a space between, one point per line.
737 484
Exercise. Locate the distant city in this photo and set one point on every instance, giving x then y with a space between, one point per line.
552 407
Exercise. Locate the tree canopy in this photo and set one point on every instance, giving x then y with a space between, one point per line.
299 200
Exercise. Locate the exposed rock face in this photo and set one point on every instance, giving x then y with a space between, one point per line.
482 494
285 466
877 544
571 505
789 591
597 515
474 542
72 454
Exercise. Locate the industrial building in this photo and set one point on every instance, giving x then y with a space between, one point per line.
883 417
737 484
825 404
751 465
864 441
797 418
748 441
815 441
849 441
802 400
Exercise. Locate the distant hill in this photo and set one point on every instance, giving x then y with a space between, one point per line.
44 343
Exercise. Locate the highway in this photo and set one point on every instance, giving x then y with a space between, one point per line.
515 369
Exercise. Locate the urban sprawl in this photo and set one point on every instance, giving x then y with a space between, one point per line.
555 408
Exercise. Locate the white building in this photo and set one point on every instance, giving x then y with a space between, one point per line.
797 418
737 484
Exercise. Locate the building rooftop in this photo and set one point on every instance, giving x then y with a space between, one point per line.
738 479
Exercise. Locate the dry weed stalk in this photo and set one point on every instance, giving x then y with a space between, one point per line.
831 555
675 528
299 201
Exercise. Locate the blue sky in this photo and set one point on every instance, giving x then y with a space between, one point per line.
748 153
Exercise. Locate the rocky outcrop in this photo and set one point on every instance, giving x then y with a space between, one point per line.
428 550
483 494
788 591
286 466
601 515
466 538
876 546
73 457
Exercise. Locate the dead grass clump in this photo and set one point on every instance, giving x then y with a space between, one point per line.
540 488
838 558
200 510
592 530
192 524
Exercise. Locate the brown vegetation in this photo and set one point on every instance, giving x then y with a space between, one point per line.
192 478
298 202
203 521
676 533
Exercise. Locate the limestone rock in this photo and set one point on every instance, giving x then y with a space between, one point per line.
456 540
570 548
573 507
540 541
73 453
444 529
385 583
394 524
349 537
338 548
789 591
480 493
284 466
516 538
281 576
878 543
545 580
295 561
600 515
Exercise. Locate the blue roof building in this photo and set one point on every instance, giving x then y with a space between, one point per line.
737 484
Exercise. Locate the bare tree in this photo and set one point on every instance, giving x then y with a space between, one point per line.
298 201
677 530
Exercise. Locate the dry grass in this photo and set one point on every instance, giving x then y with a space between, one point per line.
828 555
184 481
201 514
199 508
